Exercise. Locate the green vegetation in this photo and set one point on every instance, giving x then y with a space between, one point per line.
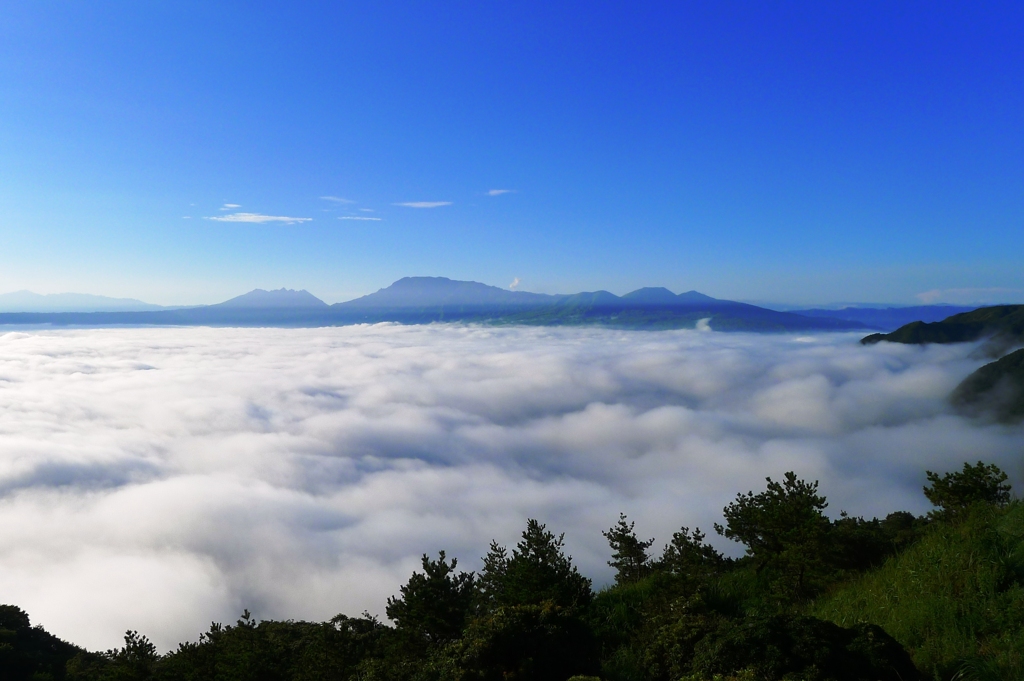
938 597
996 388
955 599
1002 323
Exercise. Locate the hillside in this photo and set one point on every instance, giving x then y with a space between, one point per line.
902 598
1004 324
953 599
996 388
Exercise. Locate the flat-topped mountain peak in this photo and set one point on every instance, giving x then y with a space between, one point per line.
279 298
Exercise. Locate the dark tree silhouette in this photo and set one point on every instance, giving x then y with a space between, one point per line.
629 553
434 604
537 571
689 554
785 532
955 493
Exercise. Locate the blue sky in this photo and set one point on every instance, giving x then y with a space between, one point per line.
785 152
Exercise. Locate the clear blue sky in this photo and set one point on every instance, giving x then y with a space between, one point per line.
803 152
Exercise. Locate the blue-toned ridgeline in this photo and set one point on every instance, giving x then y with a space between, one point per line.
422 300
889 318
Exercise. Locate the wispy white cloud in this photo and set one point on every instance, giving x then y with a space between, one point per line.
359 217
515 284
424 204
367 210
158 479
971 296
336 199
257 218
230 206
186 217
499 192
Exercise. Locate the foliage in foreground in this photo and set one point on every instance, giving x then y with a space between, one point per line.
814 599
955 599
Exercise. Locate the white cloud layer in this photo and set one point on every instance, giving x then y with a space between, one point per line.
160 479
424 204
257 218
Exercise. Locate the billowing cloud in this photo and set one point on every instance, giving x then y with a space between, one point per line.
359 217
258 218
499 192
160 479
424 204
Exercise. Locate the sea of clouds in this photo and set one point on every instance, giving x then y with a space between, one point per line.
161 479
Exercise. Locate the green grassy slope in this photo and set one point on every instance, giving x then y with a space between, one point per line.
954 600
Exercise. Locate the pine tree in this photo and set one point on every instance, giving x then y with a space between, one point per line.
955 493
629 554
689 554
433 606
537 571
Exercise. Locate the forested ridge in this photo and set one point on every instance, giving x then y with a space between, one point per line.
904 597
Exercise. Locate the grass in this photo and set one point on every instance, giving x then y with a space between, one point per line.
954 599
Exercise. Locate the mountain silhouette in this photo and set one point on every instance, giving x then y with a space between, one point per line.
423 300
280 298
27 301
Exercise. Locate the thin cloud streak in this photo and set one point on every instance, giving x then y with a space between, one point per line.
424 204
359 217
336 199
160 479
971 296
499 192
258 218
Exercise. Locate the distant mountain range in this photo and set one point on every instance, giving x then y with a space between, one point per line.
887 317
416 300
430 299
26 301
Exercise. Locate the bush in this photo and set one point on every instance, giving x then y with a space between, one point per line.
956 493
805 648
953 597
525 643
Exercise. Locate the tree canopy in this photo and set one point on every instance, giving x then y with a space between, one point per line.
537 571
690 614
954 493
